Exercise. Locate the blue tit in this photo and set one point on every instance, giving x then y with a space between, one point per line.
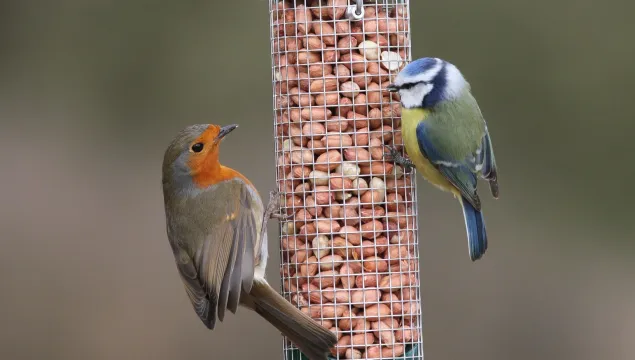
446 138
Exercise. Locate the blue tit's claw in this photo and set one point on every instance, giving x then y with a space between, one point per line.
391 154
395 156
408 166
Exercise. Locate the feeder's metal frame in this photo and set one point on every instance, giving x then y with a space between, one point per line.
355 13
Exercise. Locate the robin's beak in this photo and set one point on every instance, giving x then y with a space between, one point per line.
225 130
392 88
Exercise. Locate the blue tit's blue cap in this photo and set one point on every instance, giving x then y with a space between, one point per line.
420 65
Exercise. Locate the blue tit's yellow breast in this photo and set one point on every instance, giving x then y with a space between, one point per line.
410 118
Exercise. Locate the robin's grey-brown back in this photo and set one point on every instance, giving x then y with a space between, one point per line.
216 225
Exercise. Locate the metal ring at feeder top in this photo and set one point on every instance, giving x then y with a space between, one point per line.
355 12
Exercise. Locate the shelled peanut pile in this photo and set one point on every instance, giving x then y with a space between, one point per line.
349 248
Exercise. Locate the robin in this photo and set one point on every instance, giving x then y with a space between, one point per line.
216 226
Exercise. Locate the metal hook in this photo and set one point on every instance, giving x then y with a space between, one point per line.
355 12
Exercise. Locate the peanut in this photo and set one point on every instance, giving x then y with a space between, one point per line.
325 279
349 170
331 311
330 262
313 130
345 106
362 298
360 186
311 293
394 282
375 264
391 60
366 281
328 161
336 124
351 234
353 354
345 44
328 99
329 56
338 182
308 57
357 154
322 85
322 196
310 267
348 275
377 73
393 301
342 345
313 42
336 8
325 31
384 333
349 89
319 70
360 341
361 106
377 312
379 39
336 295
303 18
301 99
356 62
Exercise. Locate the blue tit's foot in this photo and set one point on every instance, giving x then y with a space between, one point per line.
395 156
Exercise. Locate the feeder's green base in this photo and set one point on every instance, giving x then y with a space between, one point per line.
412 353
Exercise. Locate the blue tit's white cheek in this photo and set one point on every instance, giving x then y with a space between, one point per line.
413 97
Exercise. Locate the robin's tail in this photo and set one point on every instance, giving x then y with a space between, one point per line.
311 338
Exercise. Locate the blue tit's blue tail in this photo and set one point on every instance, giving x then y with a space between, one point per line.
476 234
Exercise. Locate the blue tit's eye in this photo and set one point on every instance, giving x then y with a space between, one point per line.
409 86
198 147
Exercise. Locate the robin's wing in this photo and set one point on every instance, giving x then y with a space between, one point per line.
193 286
223 262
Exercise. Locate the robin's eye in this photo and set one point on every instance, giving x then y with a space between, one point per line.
198 147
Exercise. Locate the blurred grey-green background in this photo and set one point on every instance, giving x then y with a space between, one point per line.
92 91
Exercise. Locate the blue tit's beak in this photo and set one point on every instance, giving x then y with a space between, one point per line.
225 130
392 88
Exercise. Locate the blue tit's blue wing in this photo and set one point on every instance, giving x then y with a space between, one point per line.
484 163
457 167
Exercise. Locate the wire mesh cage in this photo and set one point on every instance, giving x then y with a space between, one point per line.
349 254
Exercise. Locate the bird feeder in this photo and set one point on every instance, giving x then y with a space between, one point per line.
349 254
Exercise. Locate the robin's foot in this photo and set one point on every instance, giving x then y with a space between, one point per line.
273 207
272 211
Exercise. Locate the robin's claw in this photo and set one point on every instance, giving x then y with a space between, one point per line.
281 216
273 207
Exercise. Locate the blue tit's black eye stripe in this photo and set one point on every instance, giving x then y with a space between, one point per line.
409 86
198 147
